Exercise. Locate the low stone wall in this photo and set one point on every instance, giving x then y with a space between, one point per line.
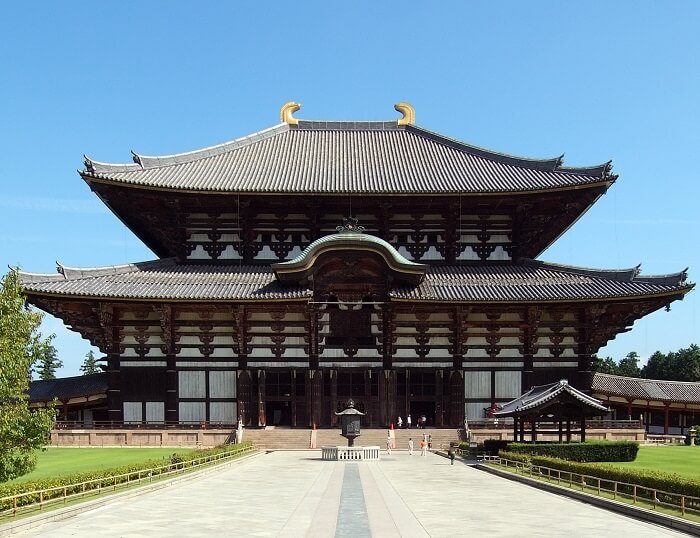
137 437
595 434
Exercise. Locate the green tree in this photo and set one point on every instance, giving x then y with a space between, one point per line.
46 360
21 431
604 366
659 366
629 366
687 364
90 365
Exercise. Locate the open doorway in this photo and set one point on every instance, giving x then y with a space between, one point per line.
423 409
278 413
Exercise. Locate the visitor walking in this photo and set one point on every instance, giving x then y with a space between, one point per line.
410 446
388 445
451 454
399 422
430 442
423 447
408 422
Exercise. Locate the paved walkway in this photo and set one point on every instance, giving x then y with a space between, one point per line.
296 494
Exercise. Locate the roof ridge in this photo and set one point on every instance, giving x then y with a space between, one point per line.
665 381
628 274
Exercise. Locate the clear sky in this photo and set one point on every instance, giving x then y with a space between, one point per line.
595 80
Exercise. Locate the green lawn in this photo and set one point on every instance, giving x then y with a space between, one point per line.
683 460
63 461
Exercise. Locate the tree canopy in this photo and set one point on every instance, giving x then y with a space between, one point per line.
90 365
46 360
681 365
21 431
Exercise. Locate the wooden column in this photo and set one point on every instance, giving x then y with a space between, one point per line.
533 429
583 429
439 386
666 417
171 381
384 417
515 429
334 397
294 398
262 419
561 432
115 406
316 397
387 336
313 314
568 430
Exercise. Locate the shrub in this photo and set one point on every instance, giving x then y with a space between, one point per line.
494 446
583 452
105 477
514 456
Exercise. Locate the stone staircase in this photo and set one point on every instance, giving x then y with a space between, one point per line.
298 439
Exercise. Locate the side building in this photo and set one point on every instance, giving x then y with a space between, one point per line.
319 260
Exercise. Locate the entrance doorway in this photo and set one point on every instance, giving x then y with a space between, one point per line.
423 409
278 413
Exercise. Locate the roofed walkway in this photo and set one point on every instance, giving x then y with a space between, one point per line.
297 494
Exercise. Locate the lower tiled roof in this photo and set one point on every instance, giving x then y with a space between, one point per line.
45 390
646 389
541 395
527 281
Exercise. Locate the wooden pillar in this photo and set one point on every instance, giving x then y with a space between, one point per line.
629 409
439 386
369 407
392 413
666 416
115 406
568 430
334 397
262 419
522 429
561 432
533 429
294 397
583 428
515 429
315 396
172 414
387 337
313 337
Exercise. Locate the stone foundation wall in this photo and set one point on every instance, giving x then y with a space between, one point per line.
136 437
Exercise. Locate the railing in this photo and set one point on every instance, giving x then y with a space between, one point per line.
344 453
108 424
13 505
665 439
636 494
603 424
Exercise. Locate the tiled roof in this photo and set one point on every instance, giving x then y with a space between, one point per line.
67 387
538 396
529 281
536 281
646 389
346 157
165 280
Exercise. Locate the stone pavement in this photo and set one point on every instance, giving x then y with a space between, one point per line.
296 494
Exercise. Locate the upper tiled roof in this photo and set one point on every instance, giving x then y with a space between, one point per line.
539 396
529 281
646 389
317 157
67 387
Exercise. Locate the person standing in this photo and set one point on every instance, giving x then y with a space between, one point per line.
408 422
430 442
399 422
388 445
423 447
451 454
410 446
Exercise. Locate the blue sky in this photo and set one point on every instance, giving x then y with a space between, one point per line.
593 80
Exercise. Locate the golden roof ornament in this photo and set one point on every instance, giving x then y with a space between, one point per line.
286 113
409 113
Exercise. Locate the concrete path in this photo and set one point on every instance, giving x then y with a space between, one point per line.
296 494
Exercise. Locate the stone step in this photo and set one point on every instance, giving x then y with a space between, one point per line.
299 438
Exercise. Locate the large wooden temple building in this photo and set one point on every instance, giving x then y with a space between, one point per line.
316 261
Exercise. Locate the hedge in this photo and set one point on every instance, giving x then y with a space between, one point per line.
583 452
514 456
656 480
73 483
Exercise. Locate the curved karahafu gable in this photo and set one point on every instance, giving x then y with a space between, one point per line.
350 239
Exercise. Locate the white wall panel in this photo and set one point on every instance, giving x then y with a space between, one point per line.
508 384
224 412
155 412
191 385
192 412
222 384
477 384
475 410
133 412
